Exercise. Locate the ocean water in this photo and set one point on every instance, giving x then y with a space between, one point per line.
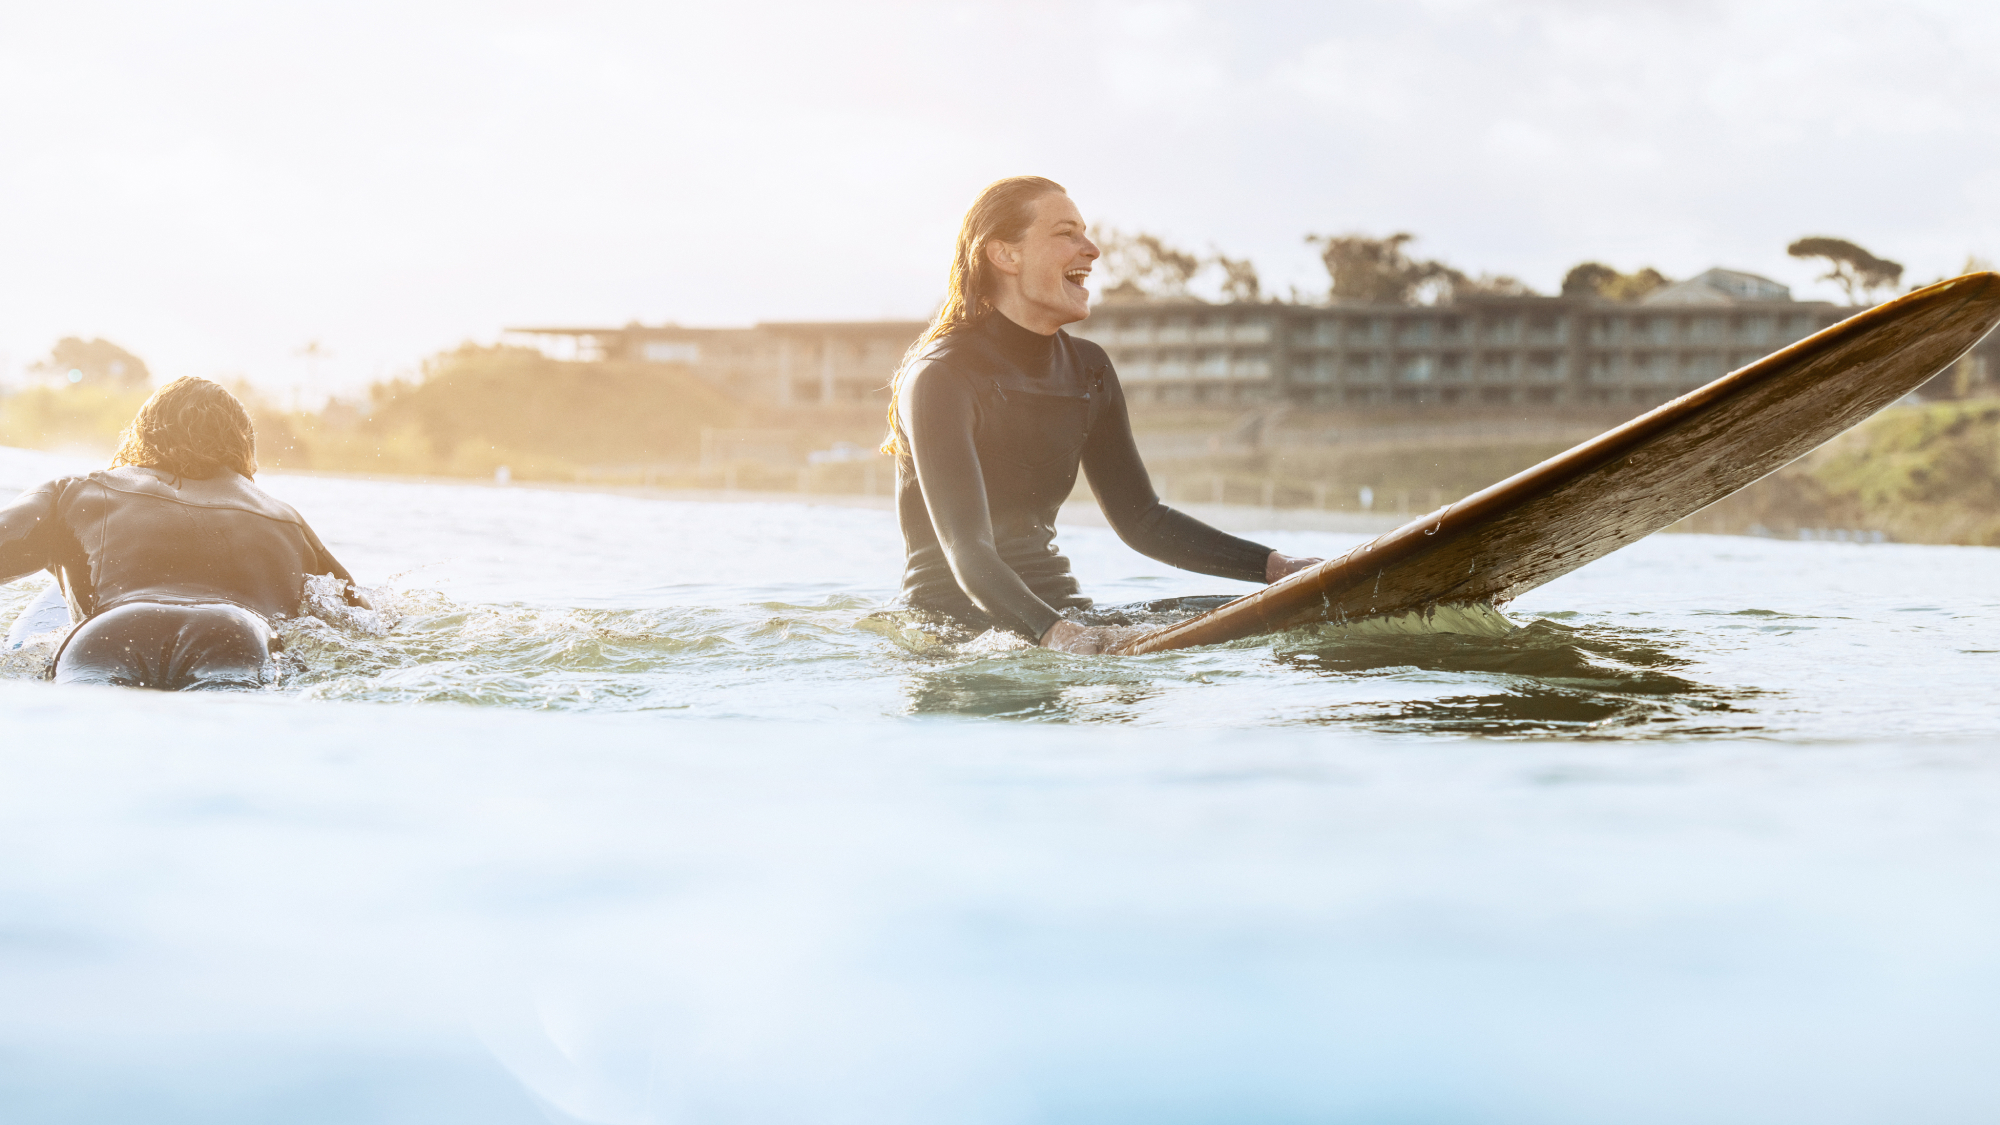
629 810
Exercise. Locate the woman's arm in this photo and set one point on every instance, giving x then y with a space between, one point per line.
939 414
323 562
27 532
1143 521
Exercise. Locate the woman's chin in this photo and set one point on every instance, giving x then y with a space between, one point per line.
1074 309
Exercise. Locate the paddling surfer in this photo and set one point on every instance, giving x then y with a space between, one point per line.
172 560
993 414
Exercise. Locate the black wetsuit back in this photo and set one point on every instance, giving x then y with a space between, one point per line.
995 421
213 560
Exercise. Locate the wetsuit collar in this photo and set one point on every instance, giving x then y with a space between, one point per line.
1029 348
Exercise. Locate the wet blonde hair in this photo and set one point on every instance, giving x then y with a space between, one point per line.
191 428
1003 212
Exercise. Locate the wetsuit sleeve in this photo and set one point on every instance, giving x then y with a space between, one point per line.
1125 493
28 531
323 562
939 416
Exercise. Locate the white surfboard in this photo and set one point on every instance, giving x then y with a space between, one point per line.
48 613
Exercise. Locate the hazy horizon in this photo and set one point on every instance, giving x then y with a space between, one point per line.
213 185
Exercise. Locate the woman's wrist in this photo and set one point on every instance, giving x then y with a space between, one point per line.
1279 565
1056 634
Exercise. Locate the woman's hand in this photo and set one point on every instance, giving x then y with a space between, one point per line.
1068 636
1277 566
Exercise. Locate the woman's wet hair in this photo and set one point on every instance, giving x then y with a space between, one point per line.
1003 212
191 428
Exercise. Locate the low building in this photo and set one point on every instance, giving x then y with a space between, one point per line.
788 362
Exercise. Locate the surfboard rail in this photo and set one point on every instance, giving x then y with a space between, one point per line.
1628 482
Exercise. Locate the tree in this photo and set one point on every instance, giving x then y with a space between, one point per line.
1855 270
1379 271
1489 285
98 362
1239 279
1374 270
1139 265
1595 279
1587 279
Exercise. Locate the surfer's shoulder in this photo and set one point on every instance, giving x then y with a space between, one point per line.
227 489
952 348
929 376
1089 352
950 358
47 496
63 488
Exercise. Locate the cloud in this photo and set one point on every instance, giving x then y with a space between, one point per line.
214 183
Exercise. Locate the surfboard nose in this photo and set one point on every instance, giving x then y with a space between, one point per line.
1631 480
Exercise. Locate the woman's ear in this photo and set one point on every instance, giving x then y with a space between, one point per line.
1005 256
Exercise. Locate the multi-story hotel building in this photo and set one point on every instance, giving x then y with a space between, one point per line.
1494 351
1500 351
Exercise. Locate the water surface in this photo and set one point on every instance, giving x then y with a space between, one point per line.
623 813
573 601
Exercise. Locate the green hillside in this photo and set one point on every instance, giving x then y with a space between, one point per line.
1920 474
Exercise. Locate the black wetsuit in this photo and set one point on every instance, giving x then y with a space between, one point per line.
175 580
995 420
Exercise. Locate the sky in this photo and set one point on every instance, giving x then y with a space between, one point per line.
218 185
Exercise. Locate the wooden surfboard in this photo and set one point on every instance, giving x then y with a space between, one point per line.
1628 482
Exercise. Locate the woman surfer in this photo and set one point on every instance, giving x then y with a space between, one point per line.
994 412
172 560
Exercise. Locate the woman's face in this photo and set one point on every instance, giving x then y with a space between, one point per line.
1050 264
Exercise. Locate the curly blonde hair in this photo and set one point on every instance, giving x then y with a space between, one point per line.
191 428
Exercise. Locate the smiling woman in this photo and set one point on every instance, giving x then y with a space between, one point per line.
994 412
